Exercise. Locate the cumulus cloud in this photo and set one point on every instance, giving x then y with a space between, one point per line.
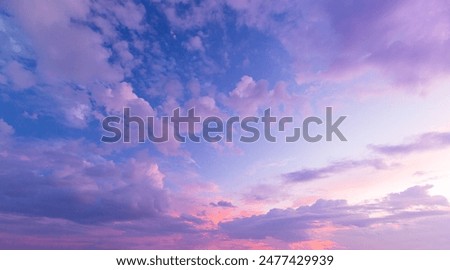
293 225
129 14
250 96
196 14
115 99
81 59
59 180
77 54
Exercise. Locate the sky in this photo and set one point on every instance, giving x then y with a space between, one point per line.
65 66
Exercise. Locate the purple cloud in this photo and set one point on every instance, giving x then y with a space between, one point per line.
429 233
87 57
250 96
71 63
6 130
293 225
29 232
369 37
223 204
413 196
78 53
305 175
59 180
424 142
20 77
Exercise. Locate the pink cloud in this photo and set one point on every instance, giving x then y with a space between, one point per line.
314 245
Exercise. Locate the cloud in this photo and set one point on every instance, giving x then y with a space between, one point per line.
341 43
78 61
72 180
195 44
414 196
82 73
76 69
115 99
77 54
250 96
20 77
223 204
129 14
294 225
305 175
273 224
195 14
424 234
425 142
25 232
5 129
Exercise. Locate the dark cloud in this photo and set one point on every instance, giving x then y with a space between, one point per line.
223 204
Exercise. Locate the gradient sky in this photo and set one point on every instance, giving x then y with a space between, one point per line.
65 65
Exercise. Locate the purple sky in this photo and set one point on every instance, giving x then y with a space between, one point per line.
66 65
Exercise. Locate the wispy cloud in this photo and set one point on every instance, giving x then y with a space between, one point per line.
224 204
338 167
424 142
